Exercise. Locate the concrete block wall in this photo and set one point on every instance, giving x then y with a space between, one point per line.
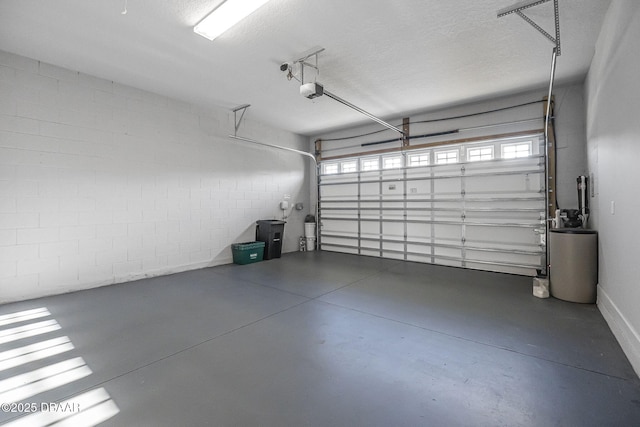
103 183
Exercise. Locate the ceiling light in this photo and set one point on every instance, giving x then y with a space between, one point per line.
226 16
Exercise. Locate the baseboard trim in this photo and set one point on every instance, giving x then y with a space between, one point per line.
624 332
169 271
18 297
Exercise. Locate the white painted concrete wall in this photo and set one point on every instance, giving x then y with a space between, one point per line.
103 183
613 135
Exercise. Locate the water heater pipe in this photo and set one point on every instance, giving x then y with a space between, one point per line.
583 199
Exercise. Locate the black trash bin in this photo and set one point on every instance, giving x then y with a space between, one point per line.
271 232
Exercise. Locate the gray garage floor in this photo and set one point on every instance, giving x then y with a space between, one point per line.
318 339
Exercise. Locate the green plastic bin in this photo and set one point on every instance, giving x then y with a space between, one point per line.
247 253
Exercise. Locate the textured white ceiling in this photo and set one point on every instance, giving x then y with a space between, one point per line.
390 58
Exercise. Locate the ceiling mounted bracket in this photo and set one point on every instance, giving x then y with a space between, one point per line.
313 90
302 61
519 7
297 65
237 121
311 53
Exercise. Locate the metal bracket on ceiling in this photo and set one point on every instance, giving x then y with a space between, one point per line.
303 61
308 54
237 121
519 7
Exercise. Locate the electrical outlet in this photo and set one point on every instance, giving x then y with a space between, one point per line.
613 207
413 190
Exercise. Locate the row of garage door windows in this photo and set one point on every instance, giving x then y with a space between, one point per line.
423 158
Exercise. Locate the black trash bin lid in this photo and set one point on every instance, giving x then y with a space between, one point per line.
573 231
271 221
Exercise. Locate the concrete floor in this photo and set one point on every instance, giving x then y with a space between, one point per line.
321 339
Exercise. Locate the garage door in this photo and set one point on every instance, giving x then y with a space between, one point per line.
478 205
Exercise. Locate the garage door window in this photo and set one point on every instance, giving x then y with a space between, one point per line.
421 159
351 166
516 151
446 157
393 162
480 153
370 164
330 168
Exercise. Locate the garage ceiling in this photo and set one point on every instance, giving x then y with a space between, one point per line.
391 58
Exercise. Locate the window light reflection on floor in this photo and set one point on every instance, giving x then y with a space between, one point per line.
22 316
95 406
88 409
20 332
26 385
30 353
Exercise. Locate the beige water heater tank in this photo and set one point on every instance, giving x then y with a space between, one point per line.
573 255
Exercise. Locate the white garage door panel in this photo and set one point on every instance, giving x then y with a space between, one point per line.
374 253
370 229
446 234
503 183
486 214
341 228
393 247
447 186
493 238
417 188
367 190
420 233
393 230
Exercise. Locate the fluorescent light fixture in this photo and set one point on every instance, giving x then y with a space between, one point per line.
226 16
